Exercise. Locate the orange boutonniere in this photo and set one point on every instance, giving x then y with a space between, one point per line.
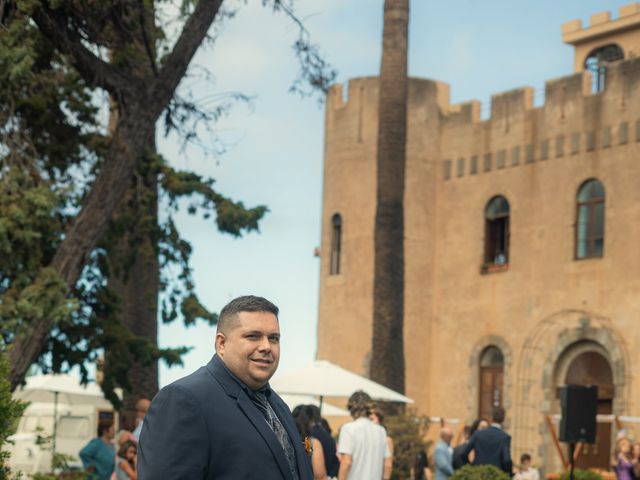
308 446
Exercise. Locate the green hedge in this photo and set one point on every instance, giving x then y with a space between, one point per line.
582 475
480 472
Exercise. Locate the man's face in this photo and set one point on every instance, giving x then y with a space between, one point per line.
251 349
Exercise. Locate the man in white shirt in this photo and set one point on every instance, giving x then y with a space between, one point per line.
362 444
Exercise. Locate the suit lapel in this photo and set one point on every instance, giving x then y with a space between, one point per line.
234 390
260 423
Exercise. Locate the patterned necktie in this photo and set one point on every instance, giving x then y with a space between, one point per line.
260 401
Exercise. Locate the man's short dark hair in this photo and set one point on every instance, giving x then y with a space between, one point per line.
525 457
249 303
497 415
360 404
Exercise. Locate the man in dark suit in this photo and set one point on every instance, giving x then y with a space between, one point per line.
223 422
492 445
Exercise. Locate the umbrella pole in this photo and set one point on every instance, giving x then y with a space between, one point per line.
55 424
321 399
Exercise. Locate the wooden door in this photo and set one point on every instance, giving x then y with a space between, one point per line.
491 381
591 368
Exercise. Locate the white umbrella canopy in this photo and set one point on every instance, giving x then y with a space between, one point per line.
324 379
293 401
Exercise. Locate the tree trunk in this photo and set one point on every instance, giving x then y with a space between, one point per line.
387 354
135 278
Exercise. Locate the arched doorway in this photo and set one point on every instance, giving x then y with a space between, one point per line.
592 368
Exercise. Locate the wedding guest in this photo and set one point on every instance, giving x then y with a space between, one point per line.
420 468
443 455
526 471
224 421
121 438
492 445
304 423
458 459
319 431
478 424
622 462
362 444
98 456
378 418
126 461
142 406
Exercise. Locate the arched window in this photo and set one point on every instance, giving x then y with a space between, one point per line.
496 231
491 381
590 220
336 239
597 61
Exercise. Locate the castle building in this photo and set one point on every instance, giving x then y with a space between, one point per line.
522 234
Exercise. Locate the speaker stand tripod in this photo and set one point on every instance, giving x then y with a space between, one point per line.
572 460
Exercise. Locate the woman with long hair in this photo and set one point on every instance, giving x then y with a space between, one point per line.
622 461
420 469
126 461
304 423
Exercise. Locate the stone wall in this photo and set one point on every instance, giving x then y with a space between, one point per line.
537 158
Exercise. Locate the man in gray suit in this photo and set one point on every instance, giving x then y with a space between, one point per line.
223 422
443 455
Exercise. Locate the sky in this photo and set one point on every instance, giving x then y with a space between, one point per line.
274 147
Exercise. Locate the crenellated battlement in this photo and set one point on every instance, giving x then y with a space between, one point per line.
336 98
602 24
621 79
623 32
571 120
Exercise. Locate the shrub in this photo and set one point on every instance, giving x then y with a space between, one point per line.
480 472
405 430
10 413
582 475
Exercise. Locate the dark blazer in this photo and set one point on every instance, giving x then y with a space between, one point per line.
492 447
205 427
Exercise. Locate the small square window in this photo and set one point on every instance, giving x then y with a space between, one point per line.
559 146
501 159
544 149
515 156
487 162
473 167
606 137
529 154
460 167
591 141
575 143
447 169
623 133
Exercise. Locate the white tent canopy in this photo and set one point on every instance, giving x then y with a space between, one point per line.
293 401
325 379
43 388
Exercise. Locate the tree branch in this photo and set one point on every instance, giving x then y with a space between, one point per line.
175 67
145 38
95 71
